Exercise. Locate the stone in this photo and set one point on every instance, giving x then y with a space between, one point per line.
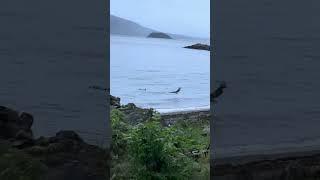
61 135
26 120
65 155
199 46
115 101
14 126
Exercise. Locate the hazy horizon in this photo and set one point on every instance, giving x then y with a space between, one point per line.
190 18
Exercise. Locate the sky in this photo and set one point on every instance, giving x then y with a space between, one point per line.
185 17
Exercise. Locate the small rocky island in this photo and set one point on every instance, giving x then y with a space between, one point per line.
159 35
199 46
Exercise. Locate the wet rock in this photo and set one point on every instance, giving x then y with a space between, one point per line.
199 47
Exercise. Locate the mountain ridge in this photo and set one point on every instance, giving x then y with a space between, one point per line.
121 26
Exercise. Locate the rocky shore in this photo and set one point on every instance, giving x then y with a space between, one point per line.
136 115
64 156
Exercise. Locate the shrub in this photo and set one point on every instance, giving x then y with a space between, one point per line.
120 130
151 151
16 165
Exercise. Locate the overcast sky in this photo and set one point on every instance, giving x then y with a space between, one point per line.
186 17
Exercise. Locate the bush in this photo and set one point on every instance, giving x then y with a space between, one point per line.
151 151
16 165
120 130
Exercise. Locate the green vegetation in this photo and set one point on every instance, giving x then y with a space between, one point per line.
15 165
151 151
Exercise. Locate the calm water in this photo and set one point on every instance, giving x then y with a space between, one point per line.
46 66
270 57
159 66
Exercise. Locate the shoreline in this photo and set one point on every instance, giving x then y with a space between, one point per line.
183 110
293 165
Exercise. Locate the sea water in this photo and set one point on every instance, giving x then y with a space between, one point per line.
145 70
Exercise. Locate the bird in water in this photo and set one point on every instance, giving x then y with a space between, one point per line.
218 92
177 91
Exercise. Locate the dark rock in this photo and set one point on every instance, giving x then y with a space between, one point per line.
26 120
65 155
114 102
199 47
12 125
135 115
71 135
159 35
188 116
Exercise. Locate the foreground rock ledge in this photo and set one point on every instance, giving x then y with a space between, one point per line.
65 155
295 166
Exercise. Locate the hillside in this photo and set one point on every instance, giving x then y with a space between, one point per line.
121 26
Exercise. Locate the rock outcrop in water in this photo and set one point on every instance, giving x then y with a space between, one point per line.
159 35
65 155
199 47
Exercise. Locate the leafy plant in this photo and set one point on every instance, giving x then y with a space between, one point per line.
151 151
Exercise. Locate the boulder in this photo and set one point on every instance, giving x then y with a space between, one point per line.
199 47
13 125
65 155
114 102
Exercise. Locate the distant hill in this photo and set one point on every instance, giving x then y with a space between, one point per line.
121 26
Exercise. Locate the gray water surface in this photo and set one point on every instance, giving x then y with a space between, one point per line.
50 53
269 54
145 70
